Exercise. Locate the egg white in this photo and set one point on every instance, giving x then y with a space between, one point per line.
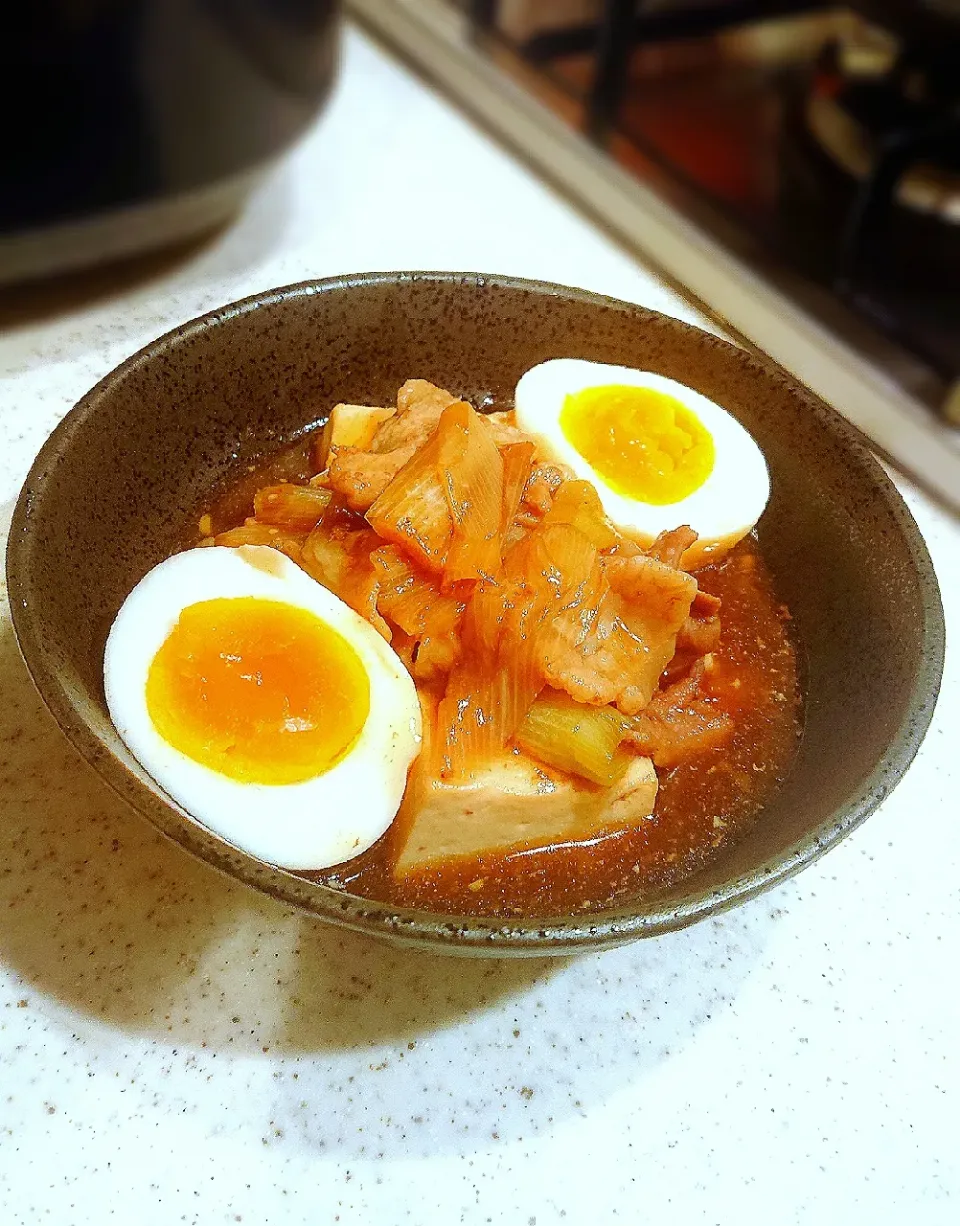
313 824
722 511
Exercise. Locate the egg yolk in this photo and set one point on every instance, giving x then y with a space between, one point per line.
258 690
644 444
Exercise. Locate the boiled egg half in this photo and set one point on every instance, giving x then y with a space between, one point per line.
659 454
267 708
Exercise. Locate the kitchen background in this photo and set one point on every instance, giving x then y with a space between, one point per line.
175 1048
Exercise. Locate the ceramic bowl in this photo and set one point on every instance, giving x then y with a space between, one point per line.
112 490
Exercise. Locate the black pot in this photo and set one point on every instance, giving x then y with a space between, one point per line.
128 123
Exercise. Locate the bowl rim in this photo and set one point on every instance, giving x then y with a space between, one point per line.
443 932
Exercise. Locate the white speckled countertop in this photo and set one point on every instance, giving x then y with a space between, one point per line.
174 1048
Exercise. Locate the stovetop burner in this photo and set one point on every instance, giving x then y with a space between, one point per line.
840 164
870 191
858 120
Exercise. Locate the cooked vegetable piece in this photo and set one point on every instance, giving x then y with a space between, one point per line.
517 462
576 738
487 694
297 507
502 667
413 512
360 586
435 657
577 503
411 598
467 733
544 481
471 474
253 533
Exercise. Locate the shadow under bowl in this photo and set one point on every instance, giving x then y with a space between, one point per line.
111 492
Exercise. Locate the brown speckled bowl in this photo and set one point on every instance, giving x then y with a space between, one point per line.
109 495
